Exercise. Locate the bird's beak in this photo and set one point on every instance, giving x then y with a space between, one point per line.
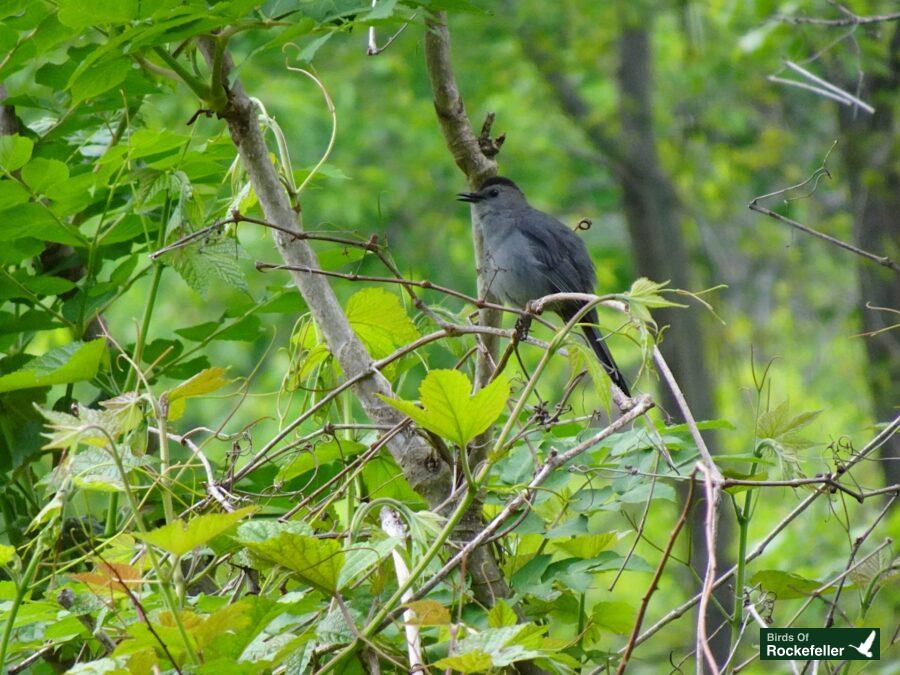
471 197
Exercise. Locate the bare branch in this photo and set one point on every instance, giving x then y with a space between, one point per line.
654 583
852 20
883 436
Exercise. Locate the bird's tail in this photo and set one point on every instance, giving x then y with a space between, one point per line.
595 340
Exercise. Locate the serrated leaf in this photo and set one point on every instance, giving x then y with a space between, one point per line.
475 661
90 426
202 265
181 536
15 151
449 409
74 362
645 295
501 615
205 382
361 557
318 562
261 529
864 573
94 470
429 613
230 619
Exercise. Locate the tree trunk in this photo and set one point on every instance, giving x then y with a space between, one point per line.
871 156
652 214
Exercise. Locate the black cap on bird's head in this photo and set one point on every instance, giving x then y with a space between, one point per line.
492 187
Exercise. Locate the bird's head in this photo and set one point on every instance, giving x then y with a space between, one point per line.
495 195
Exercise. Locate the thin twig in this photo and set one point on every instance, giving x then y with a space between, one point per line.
880 439
654 583
880 259
710 526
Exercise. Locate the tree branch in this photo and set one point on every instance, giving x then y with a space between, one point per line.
474 155
419 463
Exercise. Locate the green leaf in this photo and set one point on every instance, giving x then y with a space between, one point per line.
785 585
587 545
324 453
181 537
449 409
43 174
360 557
318 562
90 426
429 612
261 529
502 647
12 194
15 151
99 78
74 362
202 265
613 615
205 382
645 295
81 14
475 661
94 470
501 615
7 554
36 221
581 357
379 319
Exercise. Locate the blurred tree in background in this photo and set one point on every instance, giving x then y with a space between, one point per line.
200 468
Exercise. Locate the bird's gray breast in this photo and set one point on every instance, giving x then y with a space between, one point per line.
510 271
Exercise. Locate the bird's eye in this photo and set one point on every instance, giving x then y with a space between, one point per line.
494 192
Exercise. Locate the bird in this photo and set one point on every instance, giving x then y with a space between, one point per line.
529 254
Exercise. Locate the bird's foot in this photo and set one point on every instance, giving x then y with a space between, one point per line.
523 326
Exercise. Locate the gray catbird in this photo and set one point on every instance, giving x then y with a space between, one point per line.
530 254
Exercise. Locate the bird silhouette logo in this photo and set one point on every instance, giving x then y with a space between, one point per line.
865 648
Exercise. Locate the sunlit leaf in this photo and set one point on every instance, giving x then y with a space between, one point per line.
180 537
429 612
205 382
316 561
450 410
613 615
501 615
15 151
380 320
74 362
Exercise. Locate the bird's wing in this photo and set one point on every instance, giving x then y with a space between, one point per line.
561 256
